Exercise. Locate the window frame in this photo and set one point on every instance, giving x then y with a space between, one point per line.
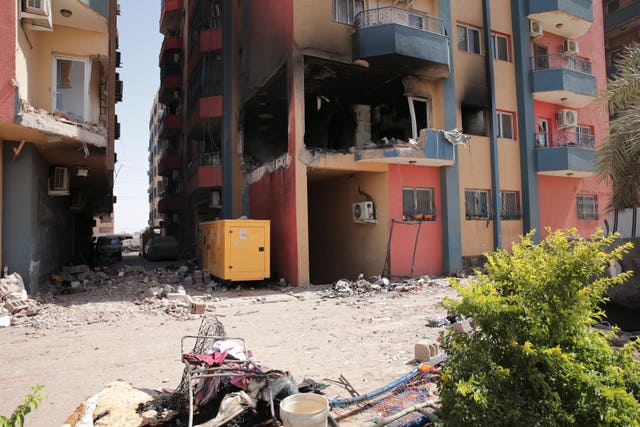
582 215
517 214
352 11
500 128
86 107
477 216
412 112
494 42
467 29
429 214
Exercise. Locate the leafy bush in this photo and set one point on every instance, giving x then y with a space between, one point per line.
536 359
31 402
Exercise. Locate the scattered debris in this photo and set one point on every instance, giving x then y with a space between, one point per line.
15 304
345 288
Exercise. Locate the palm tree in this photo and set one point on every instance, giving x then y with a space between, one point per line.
619 155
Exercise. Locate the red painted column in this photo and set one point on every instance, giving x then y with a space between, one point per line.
7 61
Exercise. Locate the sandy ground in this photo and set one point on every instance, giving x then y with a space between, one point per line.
367 338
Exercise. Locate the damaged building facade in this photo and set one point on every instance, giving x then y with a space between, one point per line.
403 137
58 88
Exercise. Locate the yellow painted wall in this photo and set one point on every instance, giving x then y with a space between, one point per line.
35 64
338 246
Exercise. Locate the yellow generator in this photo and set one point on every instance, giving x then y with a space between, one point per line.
236 250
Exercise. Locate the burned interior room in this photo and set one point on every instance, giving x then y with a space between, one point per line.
348 105
265 122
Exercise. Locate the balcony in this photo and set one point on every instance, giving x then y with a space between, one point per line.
564 80
566 18
169 163
168 203
205 172
565 153
170 14
402 40
622 15
432 149
170 127
169 44
168 87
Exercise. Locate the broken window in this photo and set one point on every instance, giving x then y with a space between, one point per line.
345 11
70 88
587 207
419 108
510 205
505 125
418 205
474 120
476 204
330 124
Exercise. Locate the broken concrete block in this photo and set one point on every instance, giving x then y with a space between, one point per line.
198 308
425 350
5 318
10 290
15 305
188 280
177 296
82 276
463 326
197 276
77 269
206 276
102 275
155 291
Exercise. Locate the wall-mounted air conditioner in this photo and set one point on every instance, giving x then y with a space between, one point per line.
37 15
535 29
59 181
567 118
570 47
364 212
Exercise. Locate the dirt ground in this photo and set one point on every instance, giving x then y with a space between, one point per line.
87 340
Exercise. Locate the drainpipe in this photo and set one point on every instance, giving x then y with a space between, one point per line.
227 113
493 127
449 175
526 116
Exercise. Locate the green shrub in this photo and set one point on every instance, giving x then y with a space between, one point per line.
535 359
31 402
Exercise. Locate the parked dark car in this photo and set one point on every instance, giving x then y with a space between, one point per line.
109 248
162 248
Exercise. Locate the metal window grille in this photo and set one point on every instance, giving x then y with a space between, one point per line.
587 207
476 204
510 205
417 204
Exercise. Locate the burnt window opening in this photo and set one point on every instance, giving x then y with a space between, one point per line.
330 125
265 123
419 109
475 120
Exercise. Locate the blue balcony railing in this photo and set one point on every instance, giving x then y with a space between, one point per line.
396 15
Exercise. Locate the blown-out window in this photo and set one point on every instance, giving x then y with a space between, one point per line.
345 11
505 125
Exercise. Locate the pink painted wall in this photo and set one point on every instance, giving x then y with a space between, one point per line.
428 258
7 61
558 194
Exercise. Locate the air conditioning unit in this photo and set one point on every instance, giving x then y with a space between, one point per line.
567 118
37 15
535 29
570 47
215 199
59 181
364 212
37 7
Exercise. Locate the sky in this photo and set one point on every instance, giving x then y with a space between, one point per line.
140 42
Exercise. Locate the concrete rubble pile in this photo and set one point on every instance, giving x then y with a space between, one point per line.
346 288
104 294
15 304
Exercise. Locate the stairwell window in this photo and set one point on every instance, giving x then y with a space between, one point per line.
505 125
500 47
476 204
587 207
468 39
345 11
417 204
510 205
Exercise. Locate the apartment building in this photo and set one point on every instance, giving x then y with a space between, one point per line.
403 137
621 27
58 88
156 152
